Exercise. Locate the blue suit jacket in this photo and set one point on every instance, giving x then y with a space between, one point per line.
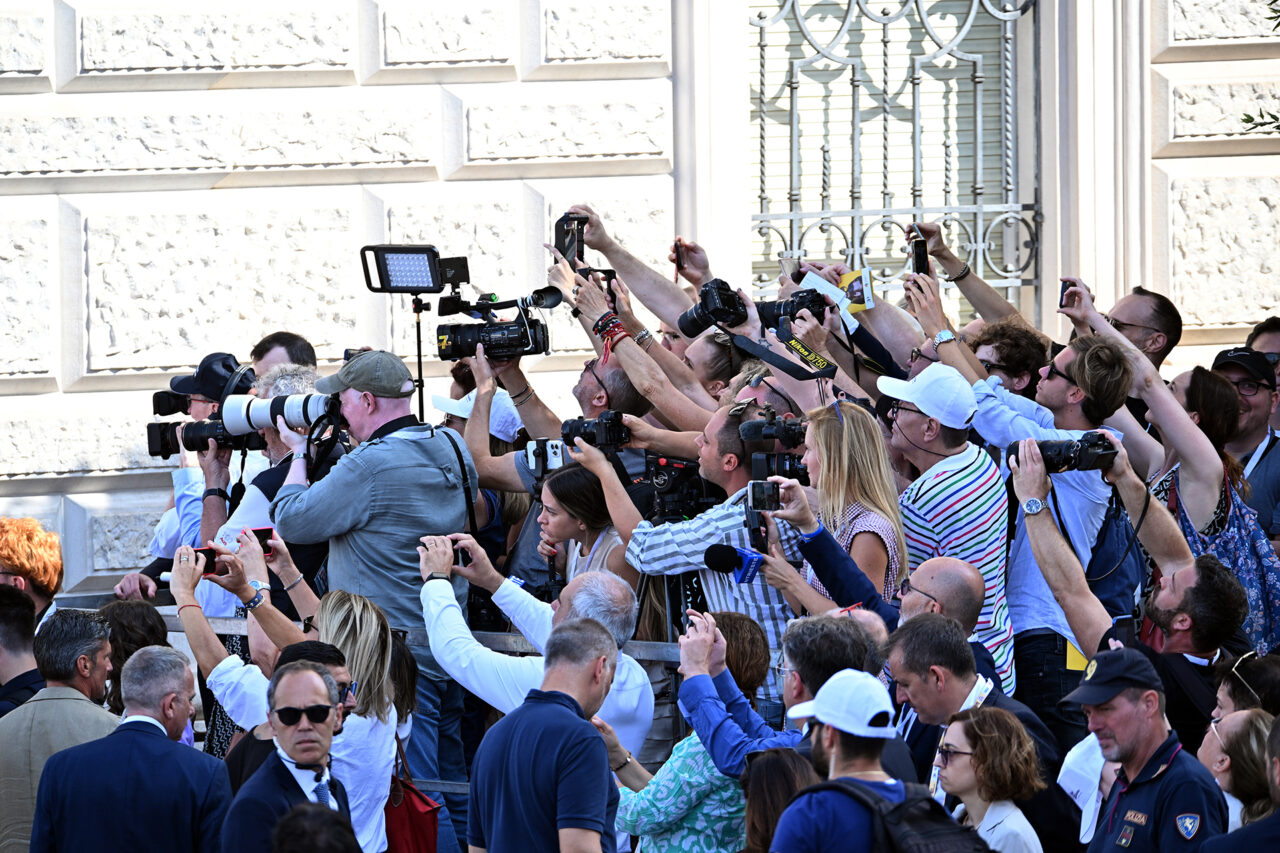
132 790
262 801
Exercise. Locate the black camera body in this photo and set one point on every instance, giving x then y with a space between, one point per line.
606 432
162 438
788 431
679 492
771 313
502 341
718 304
1091 452
766 465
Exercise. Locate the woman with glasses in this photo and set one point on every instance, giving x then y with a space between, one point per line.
1235 752
848 466
986 760
1249 681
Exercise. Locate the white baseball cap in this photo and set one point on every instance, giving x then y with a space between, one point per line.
504 420
851 701
939 391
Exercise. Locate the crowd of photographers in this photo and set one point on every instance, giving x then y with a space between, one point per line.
928 584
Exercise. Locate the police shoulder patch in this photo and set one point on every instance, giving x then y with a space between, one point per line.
1188 825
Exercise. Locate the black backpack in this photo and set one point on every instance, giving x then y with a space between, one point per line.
918 824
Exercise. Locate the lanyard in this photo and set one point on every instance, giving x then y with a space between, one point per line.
980 692
1260 451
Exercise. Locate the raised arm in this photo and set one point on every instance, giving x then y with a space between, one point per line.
1158 531
494 472
984 298
925 301
680 374
622 511
188 568
1058 563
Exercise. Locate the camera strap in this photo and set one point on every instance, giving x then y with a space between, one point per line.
823 369
466 484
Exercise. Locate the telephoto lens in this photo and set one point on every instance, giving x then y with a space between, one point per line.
244 413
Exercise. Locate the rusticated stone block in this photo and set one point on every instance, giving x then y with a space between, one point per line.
21 43
1196 20
1214 109
301 36
49 435
1216 224
215 140
27 292
563 122
608 30
120 539
167 285
479 33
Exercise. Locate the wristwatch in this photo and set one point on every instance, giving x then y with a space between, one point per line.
259 586
942 337
439 576
1032 506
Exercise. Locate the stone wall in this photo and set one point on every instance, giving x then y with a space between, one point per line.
185 180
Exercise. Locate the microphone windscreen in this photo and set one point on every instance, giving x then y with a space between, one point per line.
722 558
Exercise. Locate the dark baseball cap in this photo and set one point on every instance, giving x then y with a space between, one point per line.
1111 672
210 378
1254 363
378 372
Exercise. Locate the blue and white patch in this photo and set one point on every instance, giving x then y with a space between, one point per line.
1188 825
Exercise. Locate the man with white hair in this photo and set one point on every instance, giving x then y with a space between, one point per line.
136 789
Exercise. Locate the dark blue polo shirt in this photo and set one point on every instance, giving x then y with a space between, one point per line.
1173 805
540 769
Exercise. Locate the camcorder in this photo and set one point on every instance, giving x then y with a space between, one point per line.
679 492
771 313
163 437
606 432
788 431
1091 452
718 304
766 465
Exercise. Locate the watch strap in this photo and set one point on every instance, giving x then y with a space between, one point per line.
439 576
219 493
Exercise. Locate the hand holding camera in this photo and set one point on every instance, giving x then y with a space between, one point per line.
589 457
696 644
230 574
479 572
1075 302
794 506
188 569
435 556
695 267
1030 479
925 303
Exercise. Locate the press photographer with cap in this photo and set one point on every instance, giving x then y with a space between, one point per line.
1163 798
404 479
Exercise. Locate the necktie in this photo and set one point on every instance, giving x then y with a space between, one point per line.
322 792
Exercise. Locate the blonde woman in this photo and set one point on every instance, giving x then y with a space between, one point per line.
849 468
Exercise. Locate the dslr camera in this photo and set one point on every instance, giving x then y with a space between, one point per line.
606 432
243 413
789 431
718 304
1091 452
771 313
162 437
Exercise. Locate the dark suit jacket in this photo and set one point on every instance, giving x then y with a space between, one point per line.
132 790
268 796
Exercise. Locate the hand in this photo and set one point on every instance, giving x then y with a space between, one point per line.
778 573
234 581
186 458
750 328
280 561
290 439
617 752
589 298
216 465
622 304
932 233
1079 307
481 572
833 272
795 507
810 332
589 456
695 645
925 303
547 546
560 274
250 554
642 432
719 649
594 234
135 585
435 556
188 568
1121 468
697 267
482 370
1029 477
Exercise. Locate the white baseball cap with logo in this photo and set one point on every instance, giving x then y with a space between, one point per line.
851 701
939 391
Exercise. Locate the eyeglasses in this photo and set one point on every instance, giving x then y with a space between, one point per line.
906 587
1055 372
780 669
1235 666
991 365
898 406
946 753
1121 325
292 716
1250 387
1213 727
591 366
343 692
917 353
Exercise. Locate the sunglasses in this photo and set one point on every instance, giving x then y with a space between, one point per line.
991 365
946 753
292 716
1054 371
916 354
344 690
1234 671
906 587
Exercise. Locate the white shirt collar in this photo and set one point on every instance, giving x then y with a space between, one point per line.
134 718
981 689
306 778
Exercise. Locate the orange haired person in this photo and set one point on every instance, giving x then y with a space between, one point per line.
31 560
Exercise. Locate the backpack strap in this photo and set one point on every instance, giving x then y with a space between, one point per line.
872 802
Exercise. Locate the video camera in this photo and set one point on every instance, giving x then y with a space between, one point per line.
606 432
771 313
680 493
163 438
1091 452
718 304
766 465
789 431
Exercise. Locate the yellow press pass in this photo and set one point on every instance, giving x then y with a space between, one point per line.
857 287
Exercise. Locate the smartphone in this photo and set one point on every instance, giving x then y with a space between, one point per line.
1126 630
764 496
350 353
1062 294
211 566
679 252
570 239
264 535
920 256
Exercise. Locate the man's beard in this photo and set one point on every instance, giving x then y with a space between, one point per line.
819 758
1161 618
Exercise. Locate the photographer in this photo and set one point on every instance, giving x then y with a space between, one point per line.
1079 389
403 480
1198 606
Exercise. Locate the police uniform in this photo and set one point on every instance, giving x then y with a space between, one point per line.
1174 803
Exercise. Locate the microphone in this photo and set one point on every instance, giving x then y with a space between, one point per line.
755 430
743 563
